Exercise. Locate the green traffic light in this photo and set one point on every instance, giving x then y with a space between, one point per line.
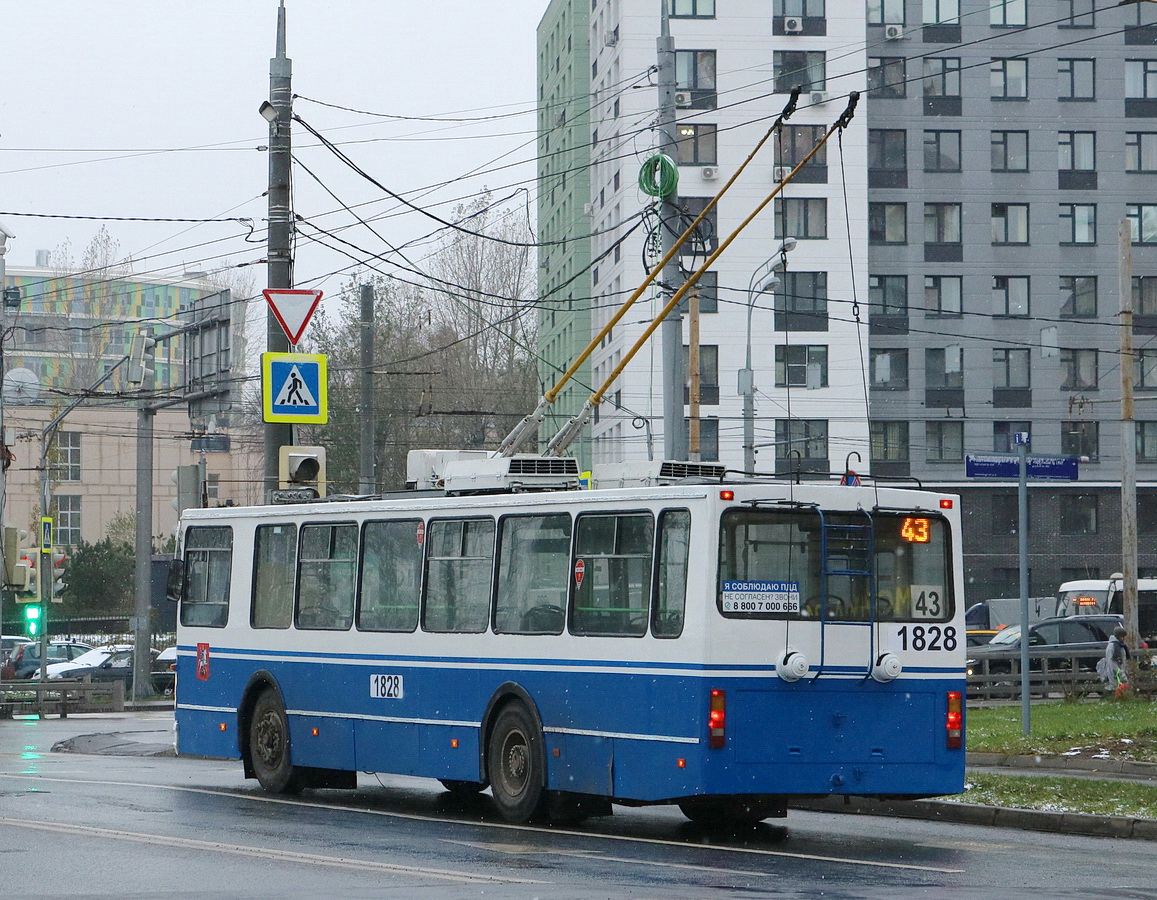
32 620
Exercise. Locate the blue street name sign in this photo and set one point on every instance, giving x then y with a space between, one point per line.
1048 468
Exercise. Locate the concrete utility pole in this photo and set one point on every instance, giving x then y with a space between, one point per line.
674 376
1128 438
368 483
278 111
5 234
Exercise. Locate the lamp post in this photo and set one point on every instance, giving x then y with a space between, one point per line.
762 280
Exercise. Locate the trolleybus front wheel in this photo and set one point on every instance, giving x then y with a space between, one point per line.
514 763
269 746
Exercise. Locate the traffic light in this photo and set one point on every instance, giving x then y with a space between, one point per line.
59 559
32 620
143 359
302 467
28 578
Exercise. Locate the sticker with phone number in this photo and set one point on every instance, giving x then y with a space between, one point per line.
761 596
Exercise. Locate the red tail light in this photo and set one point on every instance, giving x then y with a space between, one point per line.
717 720
955 720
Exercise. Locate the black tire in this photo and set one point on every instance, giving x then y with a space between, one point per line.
516 765
728 812
462 788
269 746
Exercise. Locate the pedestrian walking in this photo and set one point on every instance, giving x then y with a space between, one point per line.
1112 668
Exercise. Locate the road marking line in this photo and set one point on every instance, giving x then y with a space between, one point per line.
267 853
415 817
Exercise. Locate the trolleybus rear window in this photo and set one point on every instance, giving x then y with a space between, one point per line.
845 566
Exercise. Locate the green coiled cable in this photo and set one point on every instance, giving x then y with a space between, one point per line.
659 176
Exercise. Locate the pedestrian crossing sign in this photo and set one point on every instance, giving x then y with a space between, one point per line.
294 387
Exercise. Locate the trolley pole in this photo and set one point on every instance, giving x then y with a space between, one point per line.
278 111
674 432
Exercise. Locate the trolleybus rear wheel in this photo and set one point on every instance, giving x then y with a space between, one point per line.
514 762
269 750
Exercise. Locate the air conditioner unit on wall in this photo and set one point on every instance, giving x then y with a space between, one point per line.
893 32
710 173
819 97
682 98
779 173
792 25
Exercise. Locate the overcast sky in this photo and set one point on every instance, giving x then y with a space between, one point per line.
148 108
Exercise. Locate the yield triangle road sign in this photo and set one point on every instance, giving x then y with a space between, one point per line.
293 309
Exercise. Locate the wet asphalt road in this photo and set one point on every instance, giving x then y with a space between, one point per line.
98 823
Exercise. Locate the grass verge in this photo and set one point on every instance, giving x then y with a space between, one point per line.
1060 794
1099 729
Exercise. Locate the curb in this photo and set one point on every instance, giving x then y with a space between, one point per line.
1002 817
1075 764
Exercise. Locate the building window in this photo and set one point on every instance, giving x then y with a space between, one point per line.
801 443
1078 370
1077 151
1147 441
1006 514
1011 368
68 520
1010 223
1140 79
885 12
708 375
1078 223
805 218
1077 13
1076 79
941 151
1008 79
801 302
1010 295
888 149
807 69
943 295
1146 369
941 12
1145 295
695 145
1010 151
796 142
802 365
1142 222
708 439
1081 439
887 78
693 9
1002 435
695 74
1079 296
941 77
705 240
944 367
65 461
809 9
1141 151
942 223
889 441
1078 513
1006 12
944 441
888 295
887 223
889 369
708 286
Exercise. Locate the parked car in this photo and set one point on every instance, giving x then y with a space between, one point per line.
9 642
111 663
165 671
1083 636
978 637
24 660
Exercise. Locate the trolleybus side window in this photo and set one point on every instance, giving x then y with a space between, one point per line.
671 572
274 562
458 575
533 567
391 576
208 562
325 576
612 574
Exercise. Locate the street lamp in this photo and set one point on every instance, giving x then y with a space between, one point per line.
763 280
